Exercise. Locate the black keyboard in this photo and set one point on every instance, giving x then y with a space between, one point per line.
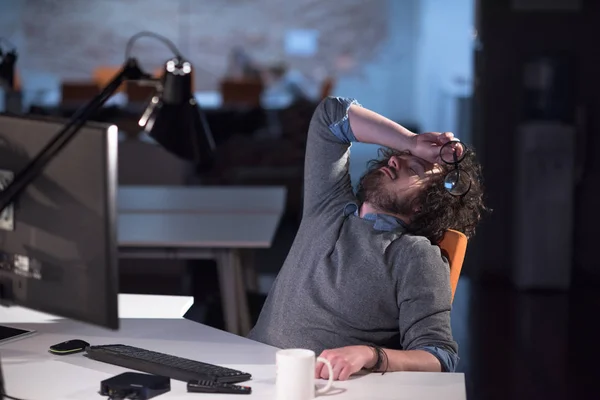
152 362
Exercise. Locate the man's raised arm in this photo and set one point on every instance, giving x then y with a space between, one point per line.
336 123
326 176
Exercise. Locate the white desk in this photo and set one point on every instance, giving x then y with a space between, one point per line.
201 199
217 237
30 372
151 306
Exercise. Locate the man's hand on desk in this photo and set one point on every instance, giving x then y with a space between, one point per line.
345 361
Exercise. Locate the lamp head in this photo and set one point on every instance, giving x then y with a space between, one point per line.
174 119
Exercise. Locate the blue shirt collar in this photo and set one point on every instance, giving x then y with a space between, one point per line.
382 222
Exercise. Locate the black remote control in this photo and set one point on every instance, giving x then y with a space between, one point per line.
216 387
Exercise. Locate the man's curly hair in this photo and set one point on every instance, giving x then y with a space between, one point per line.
438 210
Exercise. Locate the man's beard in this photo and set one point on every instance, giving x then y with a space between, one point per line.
373 191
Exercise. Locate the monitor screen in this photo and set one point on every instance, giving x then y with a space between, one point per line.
58 240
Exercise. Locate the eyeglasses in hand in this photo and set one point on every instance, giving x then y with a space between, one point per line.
457 182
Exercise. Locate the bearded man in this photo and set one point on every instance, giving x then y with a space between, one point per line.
365 284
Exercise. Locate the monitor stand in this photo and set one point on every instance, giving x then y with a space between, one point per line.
2 391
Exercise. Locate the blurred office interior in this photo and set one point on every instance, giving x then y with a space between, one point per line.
516 79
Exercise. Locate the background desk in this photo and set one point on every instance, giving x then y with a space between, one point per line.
32 373
201 199
153 306
206 222
219 237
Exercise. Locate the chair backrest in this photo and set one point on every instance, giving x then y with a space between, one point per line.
139 94
327 87
102 76
454 247
244 92
17 82
74 94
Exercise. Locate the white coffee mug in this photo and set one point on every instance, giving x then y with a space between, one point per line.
296 374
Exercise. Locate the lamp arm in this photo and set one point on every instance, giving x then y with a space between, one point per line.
130 71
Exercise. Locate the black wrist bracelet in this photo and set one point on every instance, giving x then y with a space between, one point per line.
381 355
377 364
384 356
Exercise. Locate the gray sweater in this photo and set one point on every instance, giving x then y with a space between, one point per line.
349 280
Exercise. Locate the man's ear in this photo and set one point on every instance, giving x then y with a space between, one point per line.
416 207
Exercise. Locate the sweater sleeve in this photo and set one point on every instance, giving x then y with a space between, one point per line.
425 302
326 171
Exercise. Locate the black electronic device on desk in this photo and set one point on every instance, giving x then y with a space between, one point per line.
9 333
72 346
58 239
217 387
178 368
133 385
58 247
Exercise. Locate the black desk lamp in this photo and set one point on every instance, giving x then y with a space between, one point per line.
8 60
174 109
173 118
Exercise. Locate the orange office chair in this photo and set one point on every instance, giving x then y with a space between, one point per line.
327 87
17 81
245 92
102 75
454 247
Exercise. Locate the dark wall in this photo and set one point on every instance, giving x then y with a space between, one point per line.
509 38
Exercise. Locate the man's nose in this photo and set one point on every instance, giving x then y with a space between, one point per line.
394 162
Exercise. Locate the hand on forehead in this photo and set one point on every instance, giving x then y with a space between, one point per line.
452 152
428 167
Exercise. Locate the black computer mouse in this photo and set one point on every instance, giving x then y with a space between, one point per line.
69 347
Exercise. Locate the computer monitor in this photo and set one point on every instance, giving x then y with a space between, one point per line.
58 240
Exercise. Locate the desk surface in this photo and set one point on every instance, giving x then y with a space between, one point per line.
76 377
204 199
152 306
175 230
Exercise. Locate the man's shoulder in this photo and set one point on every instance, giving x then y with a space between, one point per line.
410 241
416 257
415 246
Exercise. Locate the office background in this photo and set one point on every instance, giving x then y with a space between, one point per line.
449 65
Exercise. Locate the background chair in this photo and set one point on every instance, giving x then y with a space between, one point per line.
74 94
454 247
241 92
103 75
